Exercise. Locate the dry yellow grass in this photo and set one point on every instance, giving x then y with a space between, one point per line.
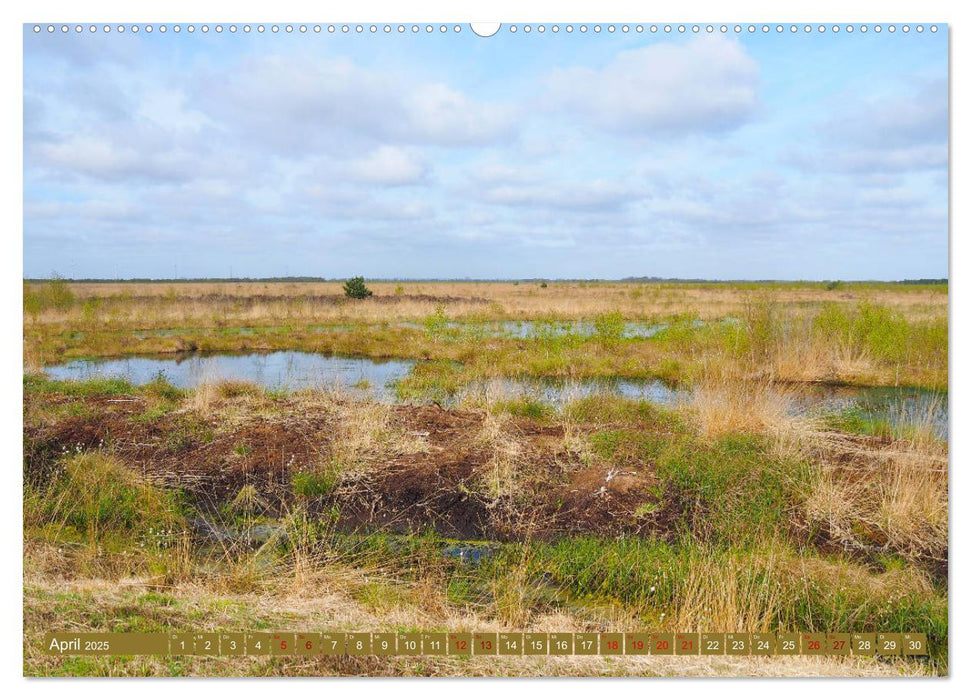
776 338
497 437
368 434
724 405
161 304
866 491
730 407
869 493
335 598
894 493
740 592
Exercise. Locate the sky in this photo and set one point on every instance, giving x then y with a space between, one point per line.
448 155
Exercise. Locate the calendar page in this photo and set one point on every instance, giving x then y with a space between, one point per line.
605 348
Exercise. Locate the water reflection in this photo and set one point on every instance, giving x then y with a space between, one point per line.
377 378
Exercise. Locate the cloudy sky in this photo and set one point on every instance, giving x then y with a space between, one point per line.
598 156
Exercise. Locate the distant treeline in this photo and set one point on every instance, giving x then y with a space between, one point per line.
640 280
767 281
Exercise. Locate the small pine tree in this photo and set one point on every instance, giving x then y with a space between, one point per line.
356 289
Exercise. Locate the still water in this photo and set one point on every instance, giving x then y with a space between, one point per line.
367 377
275 370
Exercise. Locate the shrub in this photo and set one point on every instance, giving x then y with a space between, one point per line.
882 333
609 327
90 308
54 294
356 289
763 328
833 323
436 324
59 295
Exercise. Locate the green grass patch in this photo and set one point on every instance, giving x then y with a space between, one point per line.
526 407
315 484
432 381
615 409
161 388
155 412
95 494
101 386
733 489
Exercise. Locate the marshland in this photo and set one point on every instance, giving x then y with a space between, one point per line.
486 456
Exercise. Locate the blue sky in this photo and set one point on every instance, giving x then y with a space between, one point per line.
782 156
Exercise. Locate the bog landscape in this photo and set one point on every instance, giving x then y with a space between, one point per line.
613 329
485 456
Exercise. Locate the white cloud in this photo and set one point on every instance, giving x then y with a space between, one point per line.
389 165
897 121
167 108
898 134
492 173
851 159
438 164
592 195
435 113
320 103
106 160
707 84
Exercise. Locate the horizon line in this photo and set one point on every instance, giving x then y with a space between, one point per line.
629 279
